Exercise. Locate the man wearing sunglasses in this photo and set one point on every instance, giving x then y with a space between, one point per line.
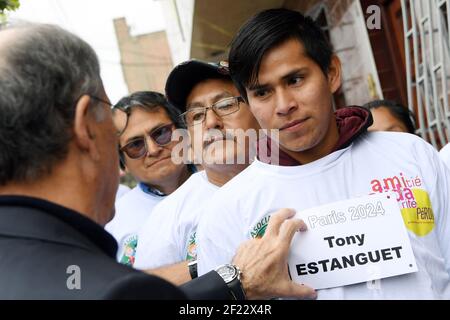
145 122
215 115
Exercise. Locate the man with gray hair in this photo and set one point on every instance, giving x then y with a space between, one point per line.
58 178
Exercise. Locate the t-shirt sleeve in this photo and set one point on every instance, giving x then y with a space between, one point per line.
157 246
443 226
435 168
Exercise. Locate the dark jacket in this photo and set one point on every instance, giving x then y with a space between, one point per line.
51 252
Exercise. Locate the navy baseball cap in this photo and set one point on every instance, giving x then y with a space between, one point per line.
186 75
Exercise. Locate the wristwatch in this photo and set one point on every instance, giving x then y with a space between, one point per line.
193 269
232 277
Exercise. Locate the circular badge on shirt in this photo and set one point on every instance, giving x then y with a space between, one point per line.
129 250
419 216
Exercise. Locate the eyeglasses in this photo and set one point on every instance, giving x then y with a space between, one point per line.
221 108
137 148
121 114
101 100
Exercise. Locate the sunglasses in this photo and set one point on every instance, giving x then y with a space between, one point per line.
137 148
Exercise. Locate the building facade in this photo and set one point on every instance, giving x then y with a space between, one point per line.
390 49
146 59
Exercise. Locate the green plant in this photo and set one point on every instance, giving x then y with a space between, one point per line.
7 5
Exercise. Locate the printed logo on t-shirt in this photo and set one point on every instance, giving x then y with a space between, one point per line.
259 229
191 254
129 250
413 200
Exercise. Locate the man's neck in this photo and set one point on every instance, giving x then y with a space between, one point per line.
73 183
221 174
64 194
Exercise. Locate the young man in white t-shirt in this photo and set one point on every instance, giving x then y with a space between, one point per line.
212 110
284 67
145 122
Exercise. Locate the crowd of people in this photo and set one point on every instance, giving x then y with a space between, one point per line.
213 213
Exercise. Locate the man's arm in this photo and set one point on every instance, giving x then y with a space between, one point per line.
209 286
177 274
140 286
263 263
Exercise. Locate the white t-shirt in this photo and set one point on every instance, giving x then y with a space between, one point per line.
374 163
444 153
131 211
121 190
168 234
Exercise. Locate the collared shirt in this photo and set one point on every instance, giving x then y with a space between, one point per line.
131 211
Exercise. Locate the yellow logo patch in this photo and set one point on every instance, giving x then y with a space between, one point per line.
419 219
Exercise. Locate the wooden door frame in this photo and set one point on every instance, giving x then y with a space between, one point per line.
397 61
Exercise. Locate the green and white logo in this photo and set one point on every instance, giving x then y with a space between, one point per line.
191 248
129 250
260 227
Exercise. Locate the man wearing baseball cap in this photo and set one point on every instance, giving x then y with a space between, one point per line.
221 128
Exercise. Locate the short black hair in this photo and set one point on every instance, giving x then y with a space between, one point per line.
150 101
268 29
399 111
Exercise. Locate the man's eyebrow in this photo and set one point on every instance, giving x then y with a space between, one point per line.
217 97
222 95
257 86
138 136
293 73
194 105
263 86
